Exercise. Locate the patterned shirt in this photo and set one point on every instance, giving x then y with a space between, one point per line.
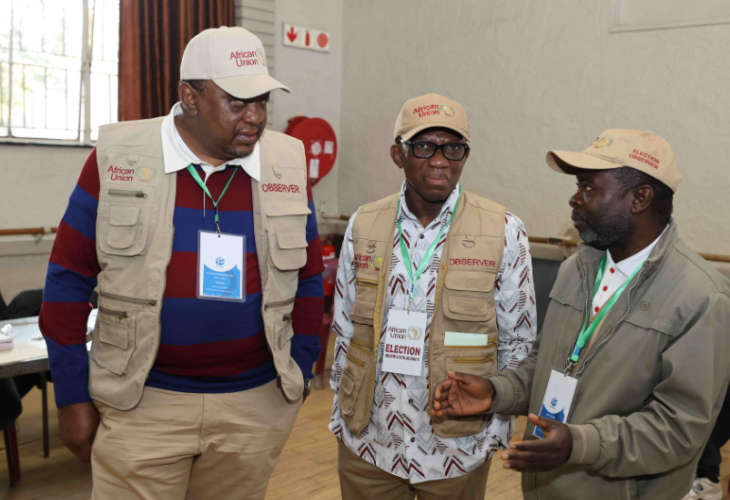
399 438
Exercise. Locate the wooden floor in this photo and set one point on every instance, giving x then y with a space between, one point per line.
307 469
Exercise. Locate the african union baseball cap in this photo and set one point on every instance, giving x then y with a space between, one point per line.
233 58
428 111
616 148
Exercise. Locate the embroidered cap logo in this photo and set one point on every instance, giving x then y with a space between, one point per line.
603 142
447 110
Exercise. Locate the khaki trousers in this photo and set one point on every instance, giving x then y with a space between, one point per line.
176 445
360 480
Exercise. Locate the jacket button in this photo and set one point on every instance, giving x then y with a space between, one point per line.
422 236
644 306
413 440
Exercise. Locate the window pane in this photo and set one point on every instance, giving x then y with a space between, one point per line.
40 95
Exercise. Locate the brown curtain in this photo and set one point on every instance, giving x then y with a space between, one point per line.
152 38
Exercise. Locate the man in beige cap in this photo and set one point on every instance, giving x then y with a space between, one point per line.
431 278
199 230
627 378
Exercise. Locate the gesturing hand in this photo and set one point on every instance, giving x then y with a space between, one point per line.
462 394
542 454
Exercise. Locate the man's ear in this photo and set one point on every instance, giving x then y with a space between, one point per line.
643 197
396 154
188 97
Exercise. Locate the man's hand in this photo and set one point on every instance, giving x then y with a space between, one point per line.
77 425
542 454
462 394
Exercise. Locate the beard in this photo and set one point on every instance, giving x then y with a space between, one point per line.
609 230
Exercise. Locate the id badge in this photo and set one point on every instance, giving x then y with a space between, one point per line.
221 273
559 397
404 343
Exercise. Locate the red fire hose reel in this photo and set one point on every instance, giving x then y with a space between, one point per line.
320 144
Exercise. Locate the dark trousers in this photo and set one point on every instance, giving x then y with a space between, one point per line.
709 466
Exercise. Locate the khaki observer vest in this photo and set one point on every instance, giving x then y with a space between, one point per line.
134 235
464 303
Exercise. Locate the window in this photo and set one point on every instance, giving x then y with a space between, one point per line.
58 68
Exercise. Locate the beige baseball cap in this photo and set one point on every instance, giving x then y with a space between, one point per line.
616 148
233 58
428 111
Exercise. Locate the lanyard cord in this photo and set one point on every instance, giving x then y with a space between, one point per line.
426 260
200 182
587 331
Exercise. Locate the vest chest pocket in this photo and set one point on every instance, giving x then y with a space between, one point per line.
113 339
468 296
123 223
288 248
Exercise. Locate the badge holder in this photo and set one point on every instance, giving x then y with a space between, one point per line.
557 404
221 267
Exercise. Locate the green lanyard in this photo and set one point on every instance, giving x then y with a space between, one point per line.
587 332
429 253
200 182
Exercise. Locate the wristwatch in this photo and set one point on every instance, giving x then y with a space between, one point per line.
307 386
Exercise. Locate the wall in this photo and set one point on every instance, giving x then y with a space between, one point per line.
535 76
36 183
314 78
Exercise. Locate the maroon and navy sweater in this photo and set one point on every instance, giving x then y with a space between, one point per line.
206 346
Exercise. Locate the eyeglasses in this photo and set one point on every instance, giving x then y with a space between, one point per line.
452 151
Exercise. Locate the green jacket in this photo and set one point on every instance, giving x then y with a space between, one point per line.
651 386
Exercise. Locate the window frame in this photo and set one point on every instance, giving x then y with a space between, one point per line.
83 134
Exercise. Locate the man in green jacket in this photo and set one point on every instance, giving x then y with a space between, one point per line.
627 377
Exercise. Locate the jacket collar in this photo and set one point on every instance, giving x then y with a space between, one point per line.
590 257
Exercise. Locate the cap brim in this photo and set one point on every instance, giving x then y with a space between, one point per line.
558 160
249 86
408 135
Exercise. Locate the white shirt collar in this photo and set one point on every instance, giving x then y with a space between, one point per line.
449 204
630 264
177 155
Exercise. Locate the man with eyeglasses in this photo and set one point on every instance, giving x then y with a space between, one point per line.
432 278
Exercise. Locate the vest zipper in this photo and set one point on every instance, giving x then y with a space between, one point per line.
131 300
481 359
124 192
369 283
352 358
362 345
119 314
280 303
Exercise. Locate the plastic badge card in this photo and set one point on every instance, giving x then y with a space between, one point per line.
404 343
221 274
558 400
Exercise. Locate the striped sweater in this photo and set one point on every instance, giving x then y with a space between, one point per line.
206 346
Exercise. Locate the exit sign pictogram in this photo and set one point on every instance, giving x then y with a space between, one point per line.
305 38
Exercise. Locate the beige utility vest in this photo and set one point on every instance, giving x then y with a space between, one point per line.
134 235
464 303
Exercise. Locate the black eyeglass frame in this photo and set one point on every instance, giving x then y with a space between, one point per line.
436 148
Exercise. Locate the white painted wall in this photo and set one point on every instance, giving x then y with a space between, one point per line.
35 183
314 78
535 76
